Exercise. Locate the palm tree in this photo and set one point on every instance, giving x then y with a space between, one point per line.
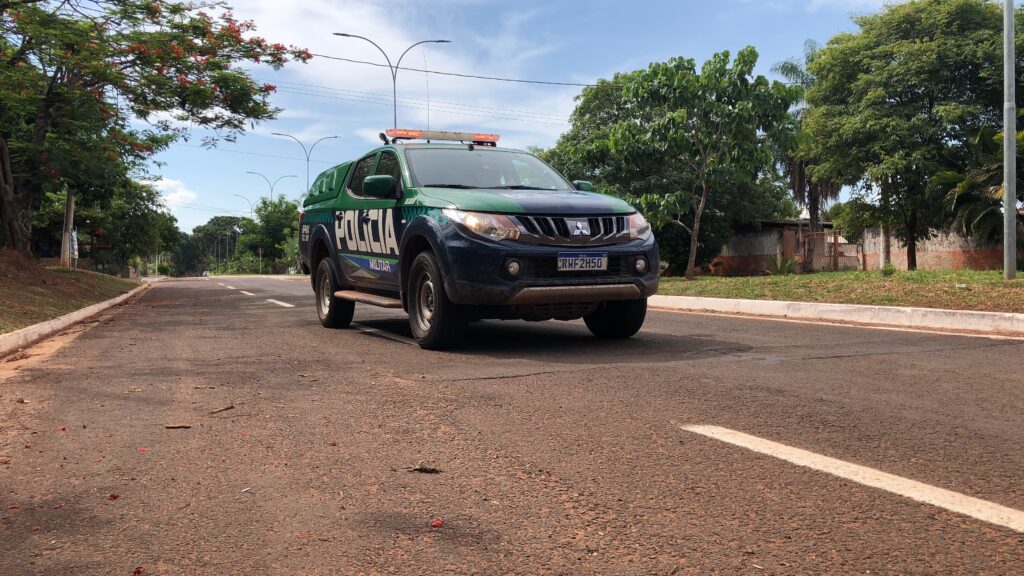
974 197
798 160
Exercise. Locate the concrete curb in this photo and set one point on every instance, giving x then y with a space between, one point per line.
1001 323
23 337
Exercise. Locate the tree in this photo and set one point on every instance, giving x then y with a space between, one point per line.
706 135
276 221
89 68
798 152
895 102
854 216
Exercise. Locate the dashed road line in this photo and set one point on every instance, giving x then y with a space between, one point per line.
220 283
947 499
279 303
230 287
246 293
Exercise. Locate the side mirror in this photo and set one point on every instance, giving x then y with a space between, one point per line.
583 185
380 186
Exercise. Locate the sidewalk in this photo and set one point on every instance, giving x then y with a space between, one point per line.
960 321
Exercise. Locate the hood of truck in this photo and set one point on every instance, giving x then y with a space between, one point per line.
554 202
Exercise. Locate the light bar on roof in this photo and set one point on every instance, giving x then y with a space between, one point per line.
403 134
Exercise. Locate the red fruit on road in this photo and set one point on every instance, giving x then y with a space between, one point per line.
436 524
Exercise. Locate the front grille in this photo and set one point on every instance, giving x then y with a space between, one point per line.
573 230
547 267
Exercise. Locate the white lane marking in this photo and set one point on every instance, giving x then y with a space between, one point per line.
220 283
246 293
279 303
841 324
230 287
953 501
384 334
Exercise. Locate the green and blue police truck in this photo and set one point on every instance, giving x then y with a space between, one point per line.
451 228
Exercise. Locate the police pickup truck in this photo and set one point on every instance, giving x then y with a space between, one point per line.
451 229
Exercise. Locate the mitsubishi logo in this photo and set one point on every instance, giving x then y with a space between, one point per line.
582 228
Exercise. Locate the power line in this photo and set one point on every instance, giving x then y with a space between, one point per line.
432 102
478 77
252 153
370 100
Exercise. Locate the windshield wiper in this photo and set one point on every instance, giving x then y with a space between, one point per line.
458 186
514 187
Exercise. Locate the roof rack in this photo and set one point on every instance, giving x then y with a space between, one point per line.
398 134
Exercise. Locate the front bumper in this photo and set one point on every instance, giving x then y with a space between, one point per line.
476 273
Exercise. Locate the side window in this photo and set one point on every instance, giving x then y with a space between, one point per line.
388 165
359 173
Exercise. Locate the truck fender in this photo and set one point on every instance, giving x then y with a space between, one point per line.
422 232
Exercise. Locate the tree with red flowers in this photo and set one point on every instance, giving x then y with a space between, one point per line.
122 77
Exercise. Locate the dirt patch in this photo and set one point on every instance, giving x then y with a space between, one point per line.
32 293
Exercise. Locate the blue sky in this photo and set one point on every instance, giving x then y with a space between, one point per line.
568 41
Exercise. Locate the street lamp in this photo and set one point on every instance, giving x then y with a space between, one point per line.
269 183
250 203
308 153
393 68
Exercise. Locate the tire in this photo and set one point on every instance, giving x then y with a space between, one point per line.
333 312
617 319
437 323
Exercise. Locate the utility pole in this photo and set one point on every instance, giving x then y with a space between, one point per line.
308 152
393 68
1009 142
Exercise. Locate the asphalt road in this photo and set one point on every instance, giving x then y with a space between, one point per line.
558 453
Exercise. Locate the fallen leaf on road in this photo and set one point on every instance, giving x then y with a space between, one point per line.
420 468
22 401
57 507
177 426
224 409
14 507
436 523
143 449
113 497
37 528
138 571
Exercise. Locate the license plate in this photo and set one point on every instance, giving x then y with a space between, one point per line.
582 261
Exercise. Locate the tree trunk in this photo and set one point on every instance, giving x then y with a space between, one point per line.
15 206
912 240
814 212
691 262
69 225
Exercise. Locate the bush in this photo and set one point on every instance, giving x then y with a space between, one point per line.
781 267
163 270
889 270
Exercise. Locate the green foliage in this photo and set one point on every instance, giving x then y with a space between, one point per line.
851 218
974 196
895 102
75 75
888 270
781 267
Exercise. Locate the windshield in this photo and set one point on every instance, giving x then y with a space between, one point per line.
464 168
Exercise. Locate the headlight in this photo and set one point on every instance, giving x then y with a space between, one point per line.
492 226
638 226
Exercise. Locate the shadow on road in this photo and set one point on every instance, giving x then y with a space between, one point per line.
571 343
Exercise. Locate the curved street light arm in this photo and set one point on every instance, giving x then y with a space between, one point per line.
274 185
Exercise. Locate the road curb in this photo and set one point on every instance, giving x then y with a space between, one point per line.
13 341
1001 323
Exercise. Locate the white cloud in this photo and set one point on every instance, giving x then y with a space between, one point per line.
173 192
505 50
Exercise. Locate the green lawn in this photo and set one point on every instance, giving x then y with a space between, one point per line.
34 294
962 289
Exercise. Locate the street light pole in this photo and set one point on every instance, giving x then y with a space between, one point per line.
250 203
308 153
1009 143
393 68
269 183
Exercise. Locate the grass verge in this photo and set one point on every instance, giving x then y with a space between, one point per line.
949 289
32 294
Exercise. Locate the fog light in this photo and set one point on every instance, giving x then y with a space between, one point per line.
514 267
640 265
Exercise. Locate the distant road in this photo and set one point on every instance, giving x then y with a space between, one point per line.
707 444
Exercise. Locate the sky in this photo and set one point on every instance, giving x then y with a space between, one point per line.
552 40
